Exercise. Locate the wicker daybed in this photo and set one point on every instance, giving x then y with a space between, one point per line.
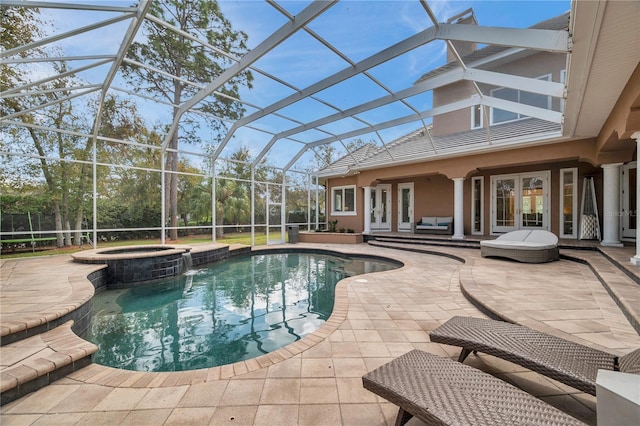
440 391
528 246
568 362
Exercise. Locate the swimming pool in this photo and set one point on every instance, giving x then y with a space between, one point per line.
230 311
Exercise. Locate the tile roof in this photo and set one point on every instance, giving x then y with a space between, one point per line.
420 146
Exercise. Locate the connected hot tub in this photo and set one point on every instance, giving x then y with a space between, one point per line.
130 264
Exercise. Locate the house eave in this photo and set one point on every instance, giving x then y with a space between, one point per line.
516 143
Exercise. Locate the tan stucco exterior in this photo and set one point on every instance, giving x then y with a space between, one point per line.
433 185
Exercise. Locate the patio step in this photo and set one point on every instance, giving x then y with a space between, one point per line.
34 362
424 240
617 278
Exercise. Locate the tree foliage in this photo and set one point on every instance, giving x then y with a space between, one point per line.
189 63
20 26
189 66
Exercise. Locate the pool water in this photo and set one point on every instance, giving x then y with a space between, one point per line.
230 311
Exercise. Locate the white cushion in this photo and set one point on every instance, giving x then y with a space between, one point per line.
429 220
444 221
519 235
541 236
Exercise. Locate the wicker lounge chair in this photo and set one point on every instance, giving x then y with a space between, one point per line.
568 362
527 246
440 391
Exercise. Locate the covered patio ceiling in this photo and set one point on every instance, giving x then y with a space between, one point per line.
334 88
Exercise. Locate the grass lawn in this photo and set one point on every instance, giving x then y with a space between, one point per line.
232 238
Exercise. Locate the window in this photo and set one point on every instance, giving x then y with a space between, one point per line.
520 96
563 80
477 116
343 200
477 205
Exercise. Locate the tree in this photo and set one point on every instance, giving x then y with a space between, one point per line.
130 196
63 167
188 60
233 193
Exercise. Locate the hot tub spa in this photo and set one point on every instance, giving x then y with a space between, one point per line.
131 264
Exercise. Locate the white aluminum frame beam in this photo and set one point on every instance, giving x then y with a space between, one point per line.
528 84
52 90
47 104
57 76
533 85
128 38
536 39
528 110
57 37
56 58
73 6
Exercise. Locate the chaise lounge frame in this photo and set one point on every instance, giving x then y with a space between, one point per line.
440 391
566 361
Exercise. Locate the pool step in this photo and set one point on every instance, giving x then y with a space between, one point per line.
34 362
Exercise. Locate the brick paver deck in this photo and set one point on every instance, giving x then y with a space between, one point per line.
318 379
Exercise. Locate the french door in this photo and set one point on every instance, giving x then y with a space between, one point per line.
520 201
405 207
629 202
381 208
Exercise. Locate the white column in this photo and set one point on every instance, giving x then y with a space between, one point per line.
611 205
458 209
635 260
367 210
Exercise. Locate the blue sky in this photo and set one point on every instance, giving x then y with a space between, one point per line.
356 28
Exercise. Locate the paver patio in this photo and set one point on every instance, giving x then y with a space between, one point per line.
318 380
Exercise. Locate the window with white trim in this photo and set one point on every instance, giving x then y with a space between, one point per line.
477 116
520 96
563 80
477 205
343 200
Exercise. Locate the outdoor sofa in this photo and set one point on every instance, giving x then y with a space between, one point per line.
566 361
440 391
527 246
435 225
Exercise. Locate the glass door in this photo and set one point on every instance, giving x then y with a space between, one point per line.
504 190
477 205
569 203
629 200
532 202
381 208
520 202
405 207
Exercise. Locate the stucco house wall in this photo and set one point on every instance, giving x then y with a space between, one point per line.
536 65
